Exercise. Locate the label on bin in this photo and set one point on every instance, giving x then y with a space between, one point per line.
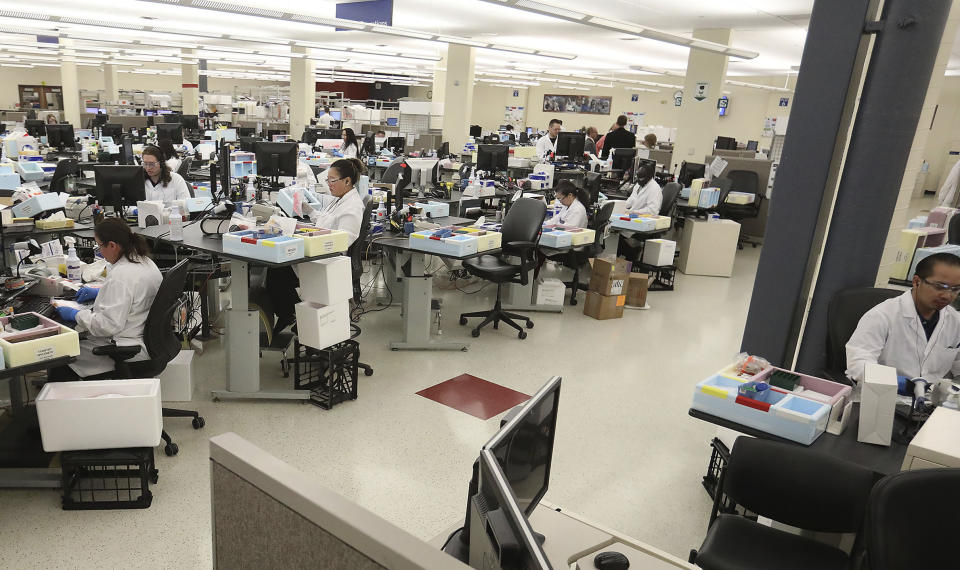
291 251
45 353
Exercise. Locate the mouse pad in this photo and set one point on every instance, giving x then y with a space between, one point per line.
474 396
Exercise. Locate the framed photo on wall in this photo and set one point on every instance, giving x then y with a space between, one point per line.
589 104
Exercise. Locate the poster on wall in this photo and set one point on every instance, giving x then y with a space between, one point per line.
577 104
514 116
635 121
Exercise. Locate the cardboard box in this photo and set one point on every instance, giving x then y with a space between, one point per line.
878 398
608 267
636 289
602 307
608 285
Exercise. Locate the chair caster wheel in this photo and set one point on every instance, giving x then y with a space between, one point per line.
368 372
573 302
154 476
171 449
463 320
475 333
522 335
199 422
496 326
529 324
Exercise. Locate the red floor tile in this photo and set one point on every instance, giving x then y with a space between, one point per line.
474 396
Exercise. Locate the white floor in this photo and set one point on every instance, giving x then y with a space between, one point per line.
627 454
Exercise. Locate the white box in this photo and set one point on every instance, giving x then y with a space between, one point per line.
176 380
100 414
659 252
878 399
326 281
550 292
708 248
39 204
936 444
320 326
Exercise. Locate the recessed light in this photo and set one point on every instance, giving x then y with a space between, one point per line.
381 45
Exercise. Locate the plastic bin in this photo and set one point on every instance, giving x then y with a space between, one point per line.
551 237
100 414
487 239
633 222
258 244
47 341
837 396
434 209
456 245
320 241
578 236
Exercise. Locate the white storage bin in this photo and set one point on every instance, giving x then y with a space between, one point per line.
25 347
326 281
550 292
176 380
659 252
100 414
320 326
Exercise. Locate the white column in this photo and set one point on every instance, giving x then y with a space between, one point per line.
303 91
458 95
439 78
111 84
70 89
697 124
190 83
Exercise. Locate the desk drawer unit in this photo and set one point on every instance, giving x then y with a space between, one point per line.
258 244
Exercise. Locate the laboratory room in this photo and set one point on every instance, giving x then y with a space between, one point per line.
501 285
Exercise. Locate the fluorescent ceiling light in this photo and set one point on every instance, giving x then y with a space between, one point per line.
759 86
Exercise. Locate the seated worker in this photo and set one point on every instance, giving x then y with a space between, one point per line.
161 184
121 305
646 196
649 142
918 332
547 145
350 147
345 214
574 211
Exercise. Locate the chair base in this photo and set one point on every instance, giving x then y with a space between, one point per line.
170 448
496 316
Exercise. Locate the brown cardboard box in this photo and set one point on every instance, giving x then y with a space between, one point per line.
636 289
607 267
608 285
602 307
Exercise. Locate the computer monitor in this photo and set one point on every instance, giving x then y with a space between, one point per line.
689 171
396 144
247 143
276 158
35 127
126 150
100 119
60 136
118 186
524 138
112 130
726 143
652 164
592 184
310 136
476 131
623 158
149 112
444 150
330 133
190 122
529 131
392 121
336 115
246 131
753 145
570 144
229 135
492 157
170 131
171 117
491 139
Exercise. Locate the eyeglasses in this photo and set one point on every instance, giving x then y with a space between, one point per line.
943 287
332 180
151 164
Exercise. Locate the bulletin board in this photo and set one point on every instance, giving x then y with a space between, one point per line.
515 116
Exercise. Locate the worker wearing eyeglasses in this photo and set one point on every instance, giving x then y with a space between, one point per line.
918 332
161 184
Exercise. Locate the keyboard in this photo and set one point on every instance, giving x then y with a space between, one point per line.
32 304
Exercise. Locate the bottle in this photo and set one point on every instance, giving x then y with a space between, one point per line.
176 224
74 265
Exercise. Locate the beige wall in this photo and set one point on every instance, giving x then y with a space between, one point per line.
945 134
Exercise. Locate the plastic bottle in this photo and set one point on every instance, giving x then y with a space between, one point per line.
74 265
176 224
381 212
251 191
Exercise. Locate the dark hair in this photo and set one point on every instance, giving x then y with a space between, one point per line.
650 139
158 154
509 127
555 122
566 188
166 145
622 120
926 265
351 140
116 230
350 168
645 173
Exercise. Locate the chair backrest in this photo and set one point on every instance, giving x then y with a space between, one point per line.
824 493
158 335
524 221
953 230
898 503
671 191
398 173
744 181
66 167
599 223
316 170
355 251
185 167
844 312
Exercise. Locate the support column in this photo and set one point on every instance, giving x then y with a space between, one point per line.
439 78
458 95
190 82
303 91
70 89
111 84
697 124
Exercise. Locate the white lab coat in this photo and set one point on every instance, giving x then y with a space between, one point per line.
573 215
177 189
891 334
118 314
344 214
348 151
948 192
545 146
645 199
324 120
174 164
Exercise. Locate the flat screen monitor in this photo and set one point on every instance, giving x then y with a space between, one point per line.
689 171
623 158
444 150
476 131
190 122
276 158
396 144
529 131
170 131
170 117
100 119
93 110
246 131
392 121
149 112
592 183
336 115
229 135
35 127
310 136
492 157
246 143
753 145
726 143
60 136
164 112
570 144
126 150
524 138
118 185
112 130
329 133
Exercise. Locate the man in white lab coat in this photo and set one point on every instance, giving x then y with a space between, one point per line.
918 332
547 144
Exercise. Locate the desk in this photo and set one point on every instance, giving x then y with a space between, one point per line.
31 232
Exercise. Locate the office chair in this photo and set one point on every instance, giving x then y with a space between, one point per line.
316 170
953 231
578 256
355 251
399 173
844 312
670 192
65 168
521 231
162 344
185 168
897 503
791 485
742 181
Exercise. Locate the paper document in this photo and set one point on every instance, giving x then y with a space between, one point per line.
717 166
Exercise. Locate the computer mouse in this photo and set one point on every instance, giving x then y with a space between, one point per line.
610 560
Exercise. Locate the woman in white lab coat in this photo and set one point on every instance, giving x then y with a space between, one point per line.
161 184
121 305
646 196
918 332
573 213
350 147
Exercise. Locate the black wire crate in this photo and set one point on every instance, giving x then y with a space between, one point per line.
719 456
662 277
108 478
330 374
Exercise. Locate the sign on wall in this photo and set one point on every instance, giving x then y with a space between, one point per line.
677 98
702 90
784 101
634 98
577 104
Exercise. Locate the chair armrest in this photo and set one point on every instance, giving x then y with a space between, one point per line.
525 250
522 244
117 353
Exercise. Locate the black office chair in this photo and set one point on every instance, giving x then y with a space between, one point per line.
65 168
898 503
162 344
399 173
671 191
316 170
791 485
953 231
520 233
844 312
742 181
577 257
356 265
184 169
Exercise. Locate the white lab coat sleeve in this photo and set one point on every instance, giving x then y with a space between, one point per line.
350 151
109 315
650 199
577 216
866 343
634 199
181 190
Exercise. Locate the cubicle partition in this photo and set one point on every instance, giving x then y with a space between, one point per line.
753 227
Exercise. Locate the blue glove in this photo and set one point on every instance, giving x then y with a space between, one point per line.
67 314
86 294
